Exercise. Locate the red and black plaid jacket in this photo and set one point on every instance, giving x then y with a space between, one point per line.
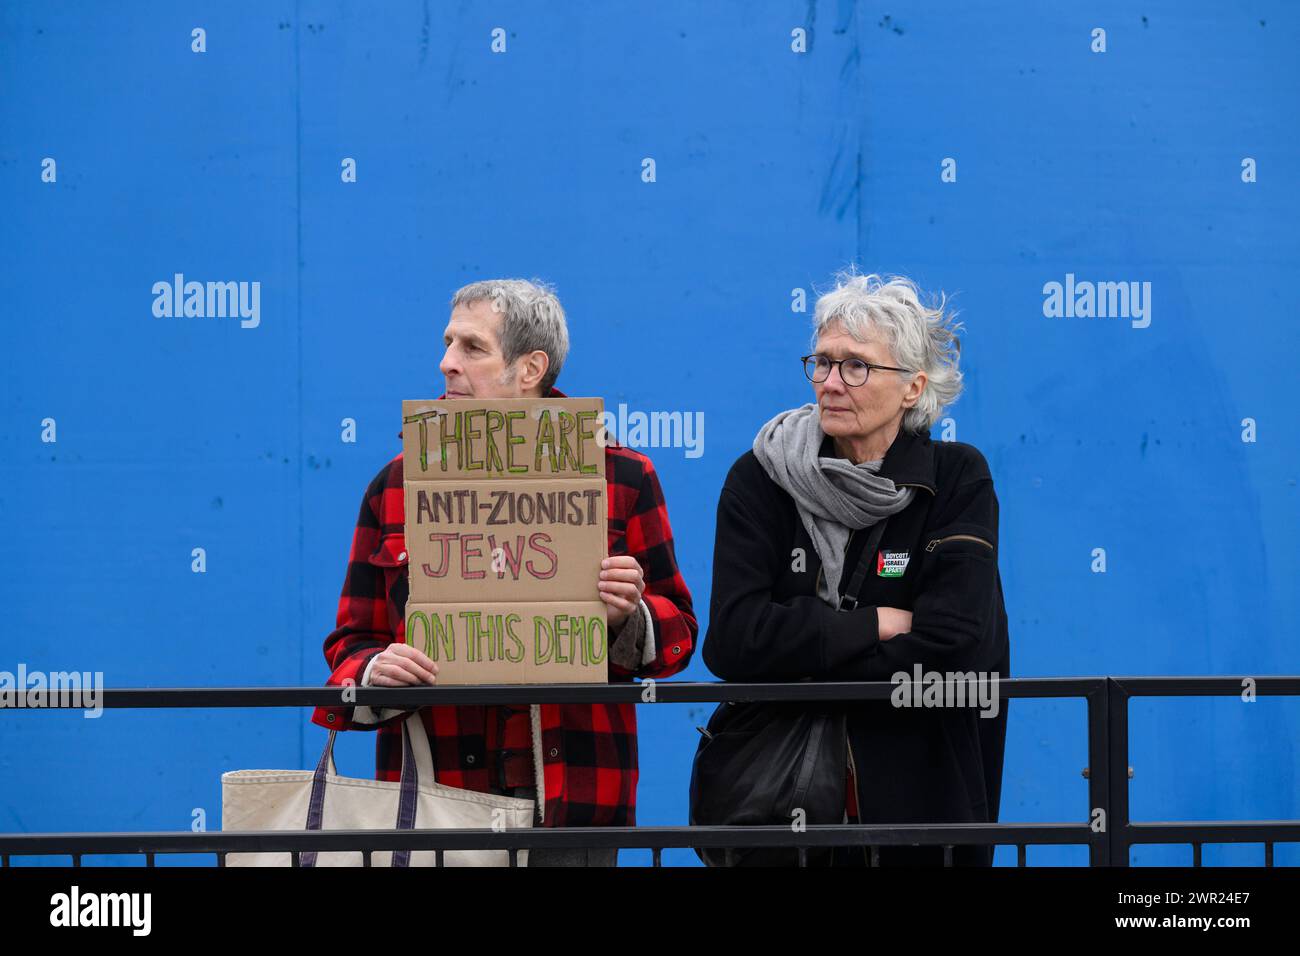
589 751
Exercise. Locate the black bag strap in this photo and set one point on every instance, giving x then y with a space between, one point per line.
853 594
812 748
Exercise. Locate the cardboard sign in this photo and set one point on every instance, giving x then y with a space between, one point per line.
519 643
503 439
505 541
506 514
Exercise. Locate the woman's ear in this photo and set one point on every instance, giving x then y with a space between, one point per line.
914 389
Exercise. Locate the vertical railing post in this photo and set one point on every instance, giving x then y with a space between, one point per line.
1099 770
1117 818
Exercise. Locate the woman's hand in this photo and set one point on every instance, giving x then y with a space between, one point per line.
893 621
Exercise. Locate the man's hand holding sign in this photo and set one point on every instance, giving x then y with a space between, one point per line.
621 586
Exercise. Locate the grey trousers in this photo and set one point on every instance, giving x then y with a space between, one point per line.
600 857
566 857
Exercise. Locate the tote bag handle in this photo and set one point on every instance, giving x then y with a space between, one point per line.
417 767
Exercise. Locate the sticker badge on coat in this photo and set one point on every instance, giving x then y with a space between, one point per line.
891 564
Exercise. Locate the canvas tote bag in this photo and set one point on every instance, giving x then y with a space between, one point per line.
322 800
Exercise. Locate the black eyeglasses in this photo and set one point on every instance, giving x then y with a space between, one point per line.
853 371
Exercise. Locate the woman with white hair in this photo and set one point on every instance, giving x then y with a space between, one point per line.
851 547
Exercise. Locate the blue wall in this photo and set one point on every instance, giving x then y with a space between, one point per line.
774 169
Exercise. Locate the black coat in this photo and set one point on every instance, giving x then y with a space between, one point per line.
766 623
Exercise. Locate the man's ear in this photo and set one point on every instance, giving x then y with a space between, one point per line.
532 369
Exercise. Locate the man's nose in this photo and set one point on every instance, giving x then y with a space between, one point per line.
448 365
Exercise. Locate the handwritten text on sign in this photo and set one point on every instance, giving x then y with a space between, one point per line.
480 541
520 439
506 509
533 641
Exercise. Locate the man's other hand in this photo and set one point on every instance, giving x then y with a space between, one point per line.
621 583
400 665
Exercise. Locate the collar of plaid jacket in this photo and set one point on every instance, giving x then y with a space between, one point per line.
585 755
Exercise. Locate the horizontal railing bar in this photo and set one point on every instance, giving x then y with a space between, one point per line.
668 692
818 835
1214 831
1281 685
665 692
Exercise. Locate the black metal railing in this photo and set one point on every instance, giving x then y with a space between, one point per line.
1106 828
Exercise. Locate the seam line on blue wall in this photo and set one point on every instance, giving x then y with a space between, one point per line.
297 256
859 234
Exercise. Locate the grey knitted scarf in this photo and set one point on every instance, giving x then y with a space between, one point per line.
833 495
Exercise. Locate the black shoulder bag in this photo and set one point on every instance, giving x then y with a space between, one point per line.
758 762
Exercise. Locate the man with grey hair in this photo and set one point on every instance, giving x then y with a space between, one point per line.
507 338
